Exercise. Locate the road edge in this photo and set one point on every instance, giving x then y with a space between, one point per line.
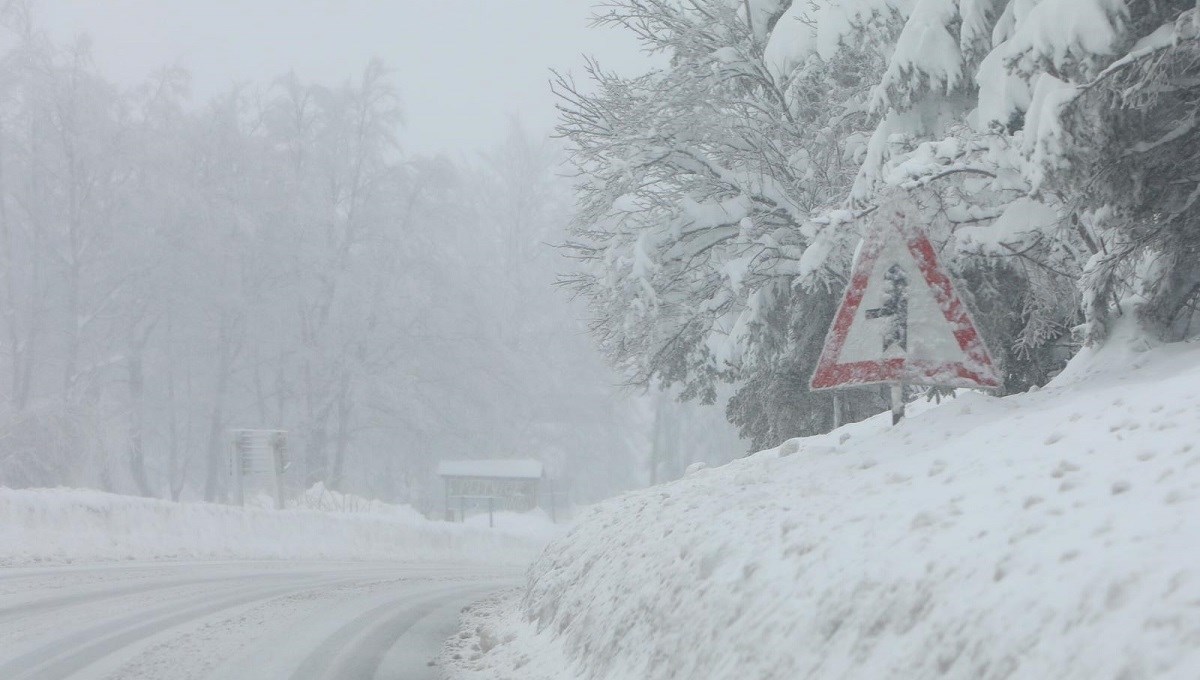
495 640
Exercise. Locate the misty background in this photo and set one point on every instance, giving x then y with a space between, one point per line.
336 219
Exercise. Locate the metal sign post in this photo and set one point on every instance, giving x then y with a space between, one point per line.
897 394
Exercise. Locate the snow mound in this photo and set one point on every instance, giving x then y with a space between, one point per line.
1051 534
489 629
73 525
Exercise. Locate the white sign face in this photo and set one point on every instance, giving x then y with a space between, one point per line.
257 461
901 321
899 316
258 451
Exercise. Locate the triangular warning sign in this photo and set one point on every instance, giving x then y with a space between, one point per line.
901 320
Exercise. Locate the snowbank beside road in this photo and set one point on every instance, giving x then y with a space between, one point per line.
65 525
1054 534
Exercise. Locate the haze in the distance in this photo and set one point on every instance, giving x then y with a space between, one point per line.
463 66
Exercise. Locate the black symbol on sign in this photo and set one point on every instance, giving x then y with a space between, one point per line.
895 307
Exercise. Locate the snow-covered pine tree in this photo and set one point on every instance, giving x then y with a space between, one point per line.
935 143
699 186
1130 151
722 196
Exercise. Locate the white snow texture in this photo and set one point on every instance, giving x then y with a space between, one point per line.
1051 534
40 526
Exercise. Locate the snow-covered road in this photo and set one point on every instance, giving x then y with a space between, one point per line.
233 620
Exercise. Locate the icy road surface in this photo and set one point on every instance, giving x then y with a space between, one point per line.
233 620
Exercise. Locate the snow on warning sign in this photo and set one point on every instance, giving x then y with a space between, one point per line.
901 320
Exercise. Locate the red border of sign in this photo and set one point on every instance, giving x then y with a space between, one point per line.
830 374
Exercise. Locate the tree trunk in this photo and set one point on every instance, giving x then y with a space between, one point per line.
314 450
10 286
137 385
174 475
342 437
213 485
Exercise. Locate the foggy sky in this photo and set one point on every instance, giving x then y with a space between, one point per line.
462 65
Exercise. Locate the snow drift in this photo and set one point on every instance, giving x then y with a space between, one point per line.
1051 534
68 525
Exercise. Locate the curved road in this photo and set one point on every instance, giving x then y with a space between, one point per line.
233 620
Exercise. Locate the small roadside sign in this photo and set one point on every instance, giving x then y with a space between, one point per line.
257 461
900 320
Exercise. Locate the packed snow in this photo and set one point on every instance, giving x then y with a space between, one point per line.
1050 534
39 526
504 469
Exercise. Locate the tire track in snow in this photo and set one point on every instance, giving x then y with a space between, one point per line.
92 644
92 596
195 620
358 650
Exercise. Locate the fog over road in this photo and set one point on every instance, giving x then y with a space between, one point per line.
233 620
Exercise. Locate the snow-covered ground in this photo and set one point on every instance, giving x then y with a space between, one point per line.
39 526
95 585
1053 534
